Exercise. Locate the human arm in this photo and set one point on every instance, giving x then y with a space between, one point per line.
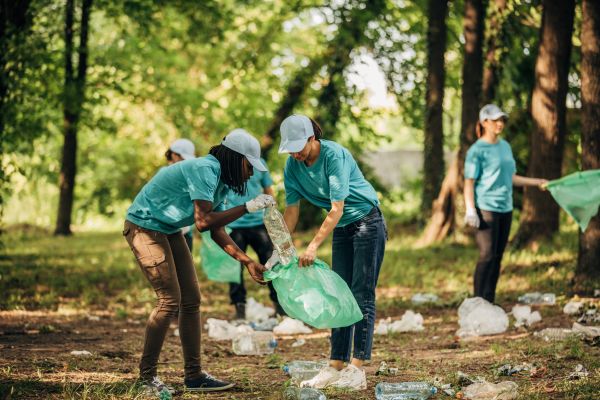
333 217
519 180
471 217
222 238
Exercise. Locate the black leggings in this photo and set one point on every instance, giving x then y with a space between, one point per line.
491 238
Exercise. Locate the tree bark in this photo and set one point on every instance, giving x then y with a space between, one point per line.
588 263
494 53
433 144
539 218
444 207
73 103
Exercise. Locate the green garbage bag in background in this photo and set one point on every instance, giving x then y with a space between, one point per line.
315 295
218 265
578 194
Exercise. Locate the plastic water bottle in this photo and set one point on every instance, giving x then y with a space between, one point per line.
279 234
294 393
300 370
254 344
550 334
165 394
404 391
538 298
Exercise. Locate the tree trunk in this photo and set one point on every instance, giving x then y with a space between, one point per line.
588 263
433 144
73 104
445 206
494 53
539 218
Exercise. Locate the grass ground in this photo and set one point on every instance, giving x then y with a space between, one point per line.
86 293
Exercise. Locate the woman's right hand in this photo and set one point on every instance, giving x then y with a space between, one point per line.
260 202
256 271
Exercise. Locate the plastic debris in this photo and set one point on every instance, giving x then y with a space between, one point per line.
506 390
524 316
300 370
579 373
538 298
384 369
299 342
508 370
447 389
410 322
477 316
424 298
279 235
551 334
266 325
404 390
590 332
295 393
590 316
176 332
257 312
254 344
81 353
219 329
596 292
94 318
573 307
290 326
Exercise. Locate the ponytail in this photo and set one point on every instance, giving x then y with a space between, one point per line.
479 130
316 129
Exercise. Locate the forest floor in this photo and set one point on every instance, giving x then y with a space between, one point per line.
85 292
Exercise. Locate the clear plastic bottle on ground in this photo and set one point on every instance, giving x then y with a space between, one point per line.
254 344
294 393
538 298
300 370
549 334
279 234
404 391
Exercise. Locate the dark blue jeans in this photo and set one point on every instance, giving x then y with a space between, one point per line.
358 250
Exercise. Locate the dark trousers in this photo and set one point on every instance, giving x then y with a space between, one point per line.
257 238
358 250
491 238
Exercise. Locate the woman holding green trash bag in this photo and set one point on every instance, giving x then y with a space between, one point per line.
185 193
489 177
326 174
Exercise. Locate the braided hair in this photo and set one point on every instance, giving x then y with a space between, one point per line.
232 167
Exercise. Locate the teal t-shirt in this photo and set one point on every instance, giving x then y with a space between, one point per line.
166 202
492 167
335 176
255 186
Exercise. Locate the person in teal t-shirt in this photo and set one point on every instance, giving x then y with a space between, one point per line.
490 173
325 174
250 231
189 192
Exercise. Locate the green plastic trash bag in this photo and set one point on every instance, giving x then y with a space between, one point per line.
578 194
218 265
315 295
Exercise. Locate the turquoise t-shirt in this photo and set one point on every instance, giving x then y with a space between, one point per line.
255 186
492 166
166 202
335 176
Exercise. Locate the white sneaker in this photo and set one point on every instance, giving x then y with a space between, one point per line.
352 378
324 378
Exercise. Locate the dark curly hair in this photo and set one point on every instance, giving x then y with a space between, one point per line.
232 167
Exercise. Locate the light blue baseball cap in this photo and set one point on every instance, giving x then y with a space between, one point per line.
492 112
240 141
295 131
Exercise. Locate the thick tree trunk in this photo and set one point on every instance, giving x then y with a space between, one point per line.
588 263
441 222
494 53
539 218
73 104
433 144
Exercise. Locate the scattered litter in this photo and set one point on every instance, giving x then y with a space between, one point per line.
424 298
580 373
591 316
591 334
219 329
257 312
465 380
290 326
384 369
477 316
447 389
404 390
254 344
551 334
573 307
538 298
506 390
81 353
299 342
295 393
300 370
508 370
176 332
266 325
410 322
93 318
524 316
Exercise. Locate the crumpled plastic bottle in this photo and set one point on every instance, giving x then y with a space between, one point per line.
254 344
404 391
300 370
294 393
280 235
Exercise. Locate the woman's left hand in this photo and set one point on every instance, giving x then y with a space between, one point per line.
542 184
308 258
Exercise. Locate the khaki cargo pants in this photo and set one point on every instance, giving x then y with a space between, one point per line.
167 263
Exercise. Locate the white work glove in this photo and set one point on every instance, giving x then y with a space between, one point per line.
471 218
259 202
273 260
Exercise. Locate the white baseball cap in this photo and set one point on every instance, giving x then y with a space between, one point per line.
184 147
491 111
295 131
244 143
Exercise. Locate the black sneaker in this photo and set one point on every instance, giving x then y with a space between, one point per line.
206 383
240 310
